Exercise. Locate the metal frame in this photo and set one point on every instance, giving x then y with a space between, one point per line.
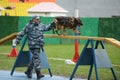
93 63
29 58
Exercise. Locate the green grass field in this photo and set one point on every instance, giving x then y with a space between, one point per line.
58 67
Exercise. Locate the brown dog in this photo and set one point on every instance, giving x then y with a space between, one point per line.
62 23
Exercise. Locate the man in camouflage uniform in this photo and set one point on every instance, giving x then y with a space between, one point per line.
34 33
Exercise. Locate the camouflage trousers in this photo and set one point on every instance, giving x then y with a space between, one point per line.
35 63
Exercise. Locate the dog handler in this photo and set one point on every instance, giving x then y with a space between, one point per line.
34 33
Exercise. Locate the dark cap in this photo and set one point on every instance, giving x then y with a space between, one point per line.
35 17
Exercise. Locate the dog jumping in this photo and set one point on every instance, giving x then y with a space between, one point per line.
63 23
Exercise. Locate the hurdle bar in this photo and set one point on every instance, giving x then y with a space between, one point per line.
113 42
75 37
8 38
108 40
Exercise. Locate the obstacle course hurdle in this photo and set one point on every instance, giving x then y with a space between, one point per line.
93 53
94 57
108 40
76 52
24 58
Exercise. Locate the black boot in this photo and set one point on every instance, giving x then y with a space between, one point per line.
39 75
29 73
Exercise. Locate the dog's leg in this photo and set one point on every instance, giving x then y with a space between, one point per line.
53 30
76 31
57 29
57 32
56 26
63 31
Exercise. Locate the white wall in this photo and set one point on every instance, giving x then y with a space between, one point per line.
58 14
35 13
48 14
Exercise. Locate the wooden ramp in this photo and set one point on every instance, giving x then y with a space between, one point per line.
108 40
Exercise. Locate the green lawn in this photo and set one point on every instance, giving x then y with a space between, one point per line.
59 67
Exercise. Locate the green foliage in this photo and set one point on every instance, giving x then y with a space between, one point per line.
89 28
8 25
109 27
22 22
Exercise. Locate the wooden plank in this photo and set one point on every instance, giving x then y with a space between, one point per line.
108 40
8 38
113 42
74 37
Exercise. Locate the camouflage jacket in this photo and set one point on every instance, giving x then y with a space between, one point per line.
34 33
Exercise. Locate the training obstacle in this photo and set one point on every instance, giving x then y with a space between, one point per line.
93 60
105 39
8 38
76 46
13 52
76 53
24 58
94 57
